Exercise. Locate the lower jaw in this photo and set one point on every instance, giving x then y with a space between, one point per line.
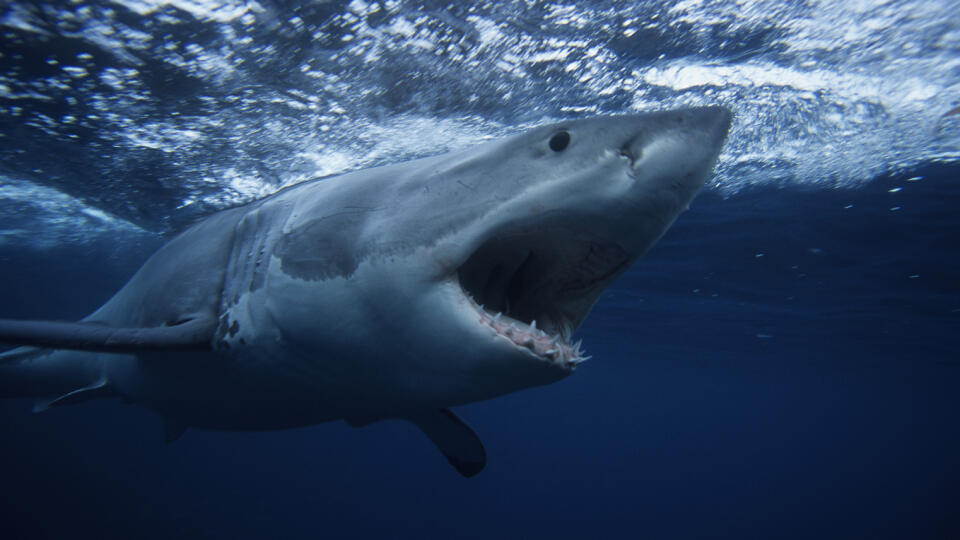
551 349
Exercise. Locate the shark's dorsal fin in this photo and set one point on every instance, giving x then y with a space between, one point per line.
191 334
454 438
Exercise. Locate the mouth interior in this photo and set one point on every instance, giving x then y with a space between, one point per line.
536 287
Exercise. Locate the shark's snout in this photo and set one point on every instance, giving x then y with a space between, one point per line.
706 128
715 120
670 138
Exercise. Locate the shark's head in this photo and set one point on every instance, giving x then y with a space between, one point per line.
464 276
588 198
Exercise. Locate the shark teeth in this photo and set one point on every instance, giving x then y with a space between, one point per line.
550 348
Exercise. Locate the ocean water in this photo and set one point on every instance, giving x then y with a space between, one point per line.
783 364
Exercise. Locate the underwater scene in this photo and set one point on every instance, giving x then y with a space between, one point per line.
414 284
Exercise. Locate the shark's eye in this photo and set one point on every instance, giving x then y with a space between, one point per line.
559 141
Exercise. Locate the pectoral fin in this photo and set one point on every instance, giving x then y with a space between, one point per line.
454 438
191 334
97 390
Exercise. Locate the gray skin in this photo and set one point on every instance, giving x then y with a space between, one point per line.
357 297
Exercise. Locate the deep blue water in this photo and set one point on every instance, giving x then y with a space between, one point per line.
838 421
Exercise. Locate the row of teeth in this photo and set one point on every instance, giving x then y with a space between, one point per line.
553 348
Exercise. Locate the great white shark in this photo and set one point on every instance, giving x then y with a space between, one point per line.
395 292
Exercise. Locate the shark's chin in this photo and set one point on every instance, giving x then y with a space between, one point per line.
534 287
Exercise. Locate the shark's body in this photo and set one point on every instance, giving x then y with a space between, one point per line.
393 292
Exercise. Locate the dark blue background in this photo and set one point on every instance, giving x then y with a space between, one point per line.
808 392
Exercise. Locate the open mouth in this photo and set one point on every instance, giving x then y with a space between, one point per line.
534 288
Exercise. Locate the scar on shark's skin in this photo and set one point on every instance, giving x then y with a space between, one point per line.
389 293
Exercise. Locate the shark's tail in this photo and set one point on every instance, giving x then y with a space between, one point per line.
50 376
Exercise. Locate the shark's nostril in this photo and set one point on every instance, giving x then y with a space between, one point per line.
631 151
